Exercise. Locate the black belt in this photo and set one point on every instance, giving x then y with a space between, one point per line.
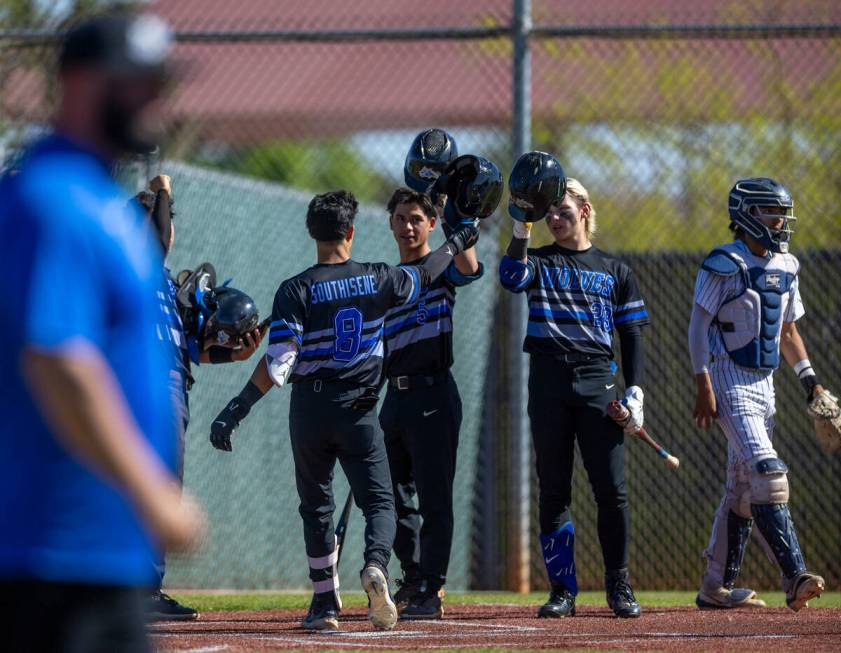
412 381
317 385
579 357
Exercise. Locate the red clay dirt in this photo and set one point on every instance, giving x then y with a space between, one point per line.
515 627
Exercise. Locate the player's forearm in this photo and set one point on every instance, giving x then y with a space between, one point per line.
81 400
791 344
467 262
260 376
633 359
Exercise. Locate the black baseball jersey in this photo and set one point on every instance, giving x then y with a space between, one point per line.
419 334
576 298
335 314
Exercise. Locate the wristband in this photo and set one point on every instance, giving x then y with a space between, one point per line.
803 369
250 395
522 230
220 355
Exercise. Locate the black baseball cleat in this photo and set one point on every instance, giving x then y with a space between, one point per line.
620 596
323 613
425 604
407 588
162 607
561 603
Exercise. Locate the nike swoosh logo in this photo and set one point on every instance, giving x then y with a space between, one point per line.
220 422
608 387
548 560
427 413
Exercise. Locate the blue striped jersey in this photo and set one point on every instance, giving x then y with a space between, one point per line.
170 330
419 334
335 314
575 298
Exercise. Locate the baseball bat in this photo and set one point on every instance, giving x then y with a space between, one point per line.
619 414
341 527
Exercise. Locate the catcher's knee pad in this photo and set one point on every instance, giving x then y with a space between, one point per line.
768 482
559 555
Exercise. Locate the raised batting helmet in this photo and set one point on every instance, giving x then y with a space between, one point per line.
536 182
429 154
749 197
473 186
233 314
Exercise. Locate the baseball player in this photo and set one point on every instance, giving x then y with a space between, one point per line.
326 339
421 415
745 308
183 341
577 296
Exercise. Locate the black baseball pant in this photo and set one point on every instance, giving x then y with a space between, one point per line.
72 617
324 428
421 427
568 402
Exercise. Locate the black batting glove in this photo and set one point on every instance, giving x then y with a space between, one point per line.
465 237
227 422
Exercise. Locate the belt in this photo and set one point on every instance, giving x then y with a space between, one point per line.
317 385
411 381
579 357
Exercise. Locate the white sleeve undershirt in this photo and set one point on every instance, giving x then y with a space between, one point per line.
699 344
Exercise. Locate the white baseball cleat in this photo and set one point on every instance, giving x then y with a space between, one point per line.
805 587
381 609
725 599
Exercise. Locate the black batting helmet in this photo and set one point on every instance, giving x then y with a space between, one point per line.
232 315
473 186
536 182
429 154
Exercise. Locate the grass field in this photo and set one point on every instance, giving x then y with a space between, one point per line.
210 602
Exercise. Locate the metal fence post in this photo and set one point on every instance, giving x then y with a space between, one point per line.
519 535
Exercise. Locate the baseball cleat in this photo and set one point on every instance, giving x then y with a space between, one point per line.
620 595
561 603
725 599
322 615
408 587
381 609
162 607
806 586
424 605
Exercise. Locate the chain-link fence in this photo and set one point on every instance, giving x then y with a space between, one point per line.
656 108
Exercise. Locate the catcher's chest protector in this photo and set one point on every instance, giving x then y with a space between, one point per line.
750 323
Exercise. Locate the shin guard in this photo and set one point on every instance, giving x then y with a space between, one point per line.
559 555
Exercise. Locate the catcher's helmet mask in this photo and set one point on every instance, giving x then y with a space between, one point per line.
749 197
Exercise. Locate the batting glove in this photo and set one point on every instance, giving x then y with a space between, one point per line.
226 423
465 237
633 402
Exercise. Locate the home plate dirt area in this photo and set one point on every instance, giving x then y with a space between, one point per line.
515 627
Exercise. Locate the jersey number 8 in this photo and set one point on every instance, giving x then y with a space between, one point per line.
347 325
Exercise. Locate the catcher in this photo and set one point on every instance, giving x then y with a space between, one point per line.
747 301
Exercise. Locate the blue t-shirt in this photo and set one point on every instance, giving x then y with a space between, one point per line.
80 271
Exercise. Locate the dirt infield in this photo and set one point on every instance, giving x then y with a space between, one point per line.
514 627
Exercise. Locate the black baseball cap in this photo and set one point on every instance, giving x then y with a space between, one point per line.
129 45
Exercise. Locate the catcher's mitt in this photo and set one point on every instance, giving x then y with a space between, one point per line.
825 411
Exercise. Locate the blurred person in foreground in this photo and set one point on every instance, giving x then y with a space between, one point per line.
88 492
193 330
